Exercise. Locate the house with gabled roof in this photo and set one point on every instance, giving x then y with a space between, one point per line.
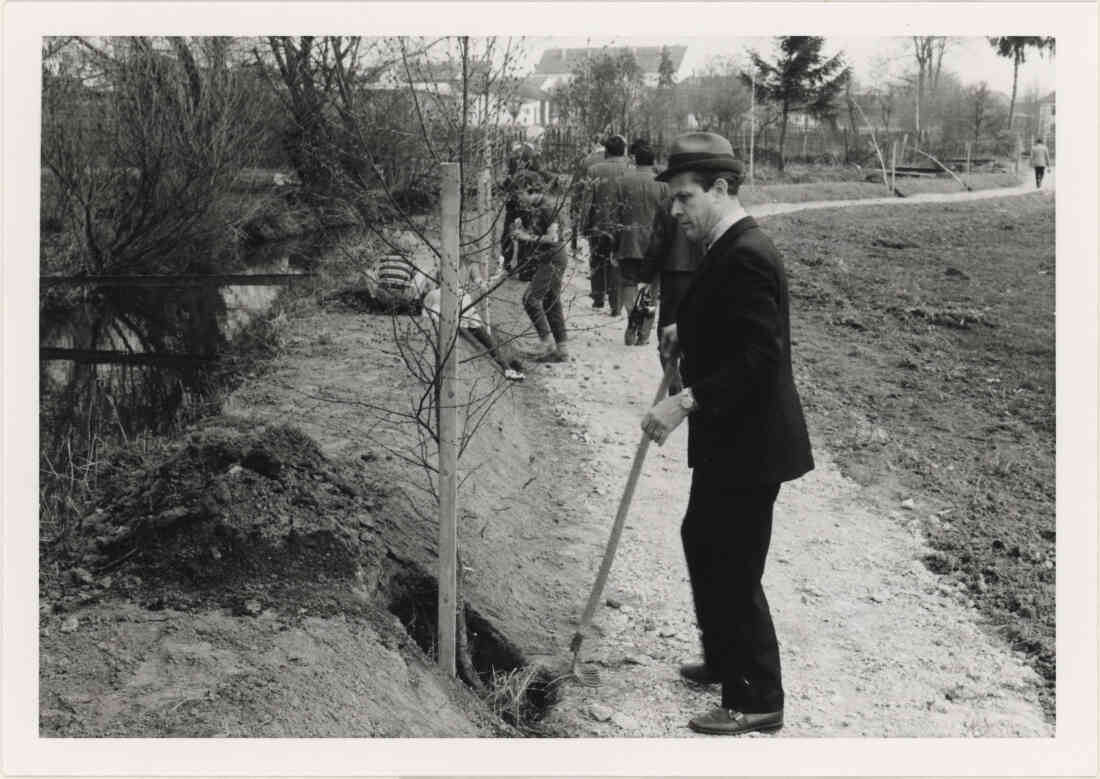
555 66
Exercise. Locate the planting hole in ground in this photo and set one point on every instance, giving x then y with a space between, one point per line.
518 692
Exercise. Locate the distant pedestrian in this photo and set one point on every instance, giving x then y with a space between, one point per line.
537 227
669 263
603 222
640 196
746 431
1040 160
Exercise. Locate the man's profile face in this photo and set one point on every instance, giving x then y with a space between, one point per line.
693 207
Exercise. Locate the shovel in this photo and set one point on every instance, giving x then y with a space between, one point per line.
589 676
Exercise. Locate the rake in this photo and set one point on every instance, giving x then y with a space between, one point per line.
589 676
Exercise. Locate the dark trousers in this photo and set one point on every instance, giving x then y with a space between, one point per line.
1039 171
542 301
603 276
726 533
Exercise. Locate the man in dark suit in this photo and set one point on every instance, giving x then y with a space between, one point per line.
746 431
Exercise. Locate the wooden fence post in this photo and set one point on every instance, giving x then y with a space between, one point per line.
968 163
448 417
486 246
893 166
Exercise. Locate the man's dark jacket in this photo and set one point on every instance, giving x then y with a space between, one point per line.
639 196
734 331
603 216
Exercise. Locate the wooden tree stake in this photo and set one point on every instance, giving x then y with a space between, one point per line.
487 253
448 416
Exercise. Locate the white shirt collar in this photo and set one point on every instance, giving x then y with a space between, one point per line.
726 223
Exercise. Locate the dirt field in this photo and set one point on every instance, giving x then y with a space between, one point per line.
904 570
926 349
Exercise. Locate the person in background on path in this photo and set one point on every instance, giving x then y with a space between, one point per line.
640 196
523 157
472 326
581 191
668 265
404 286
537 226
1040 160
602 224
746 431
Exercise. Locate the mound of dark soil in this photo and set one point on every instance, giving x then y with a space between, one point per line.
236 502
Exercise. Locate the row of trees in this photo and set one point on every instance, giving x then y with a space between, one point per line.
926 99
142 137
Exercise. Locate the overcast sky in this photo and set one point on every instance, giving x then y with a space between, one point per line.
972 59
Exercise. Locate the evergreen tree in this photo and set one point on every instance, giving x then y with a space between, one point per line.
1014 47
666 71
800 79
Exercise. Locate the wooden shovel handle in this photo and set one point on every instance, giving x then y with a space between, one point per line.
620 517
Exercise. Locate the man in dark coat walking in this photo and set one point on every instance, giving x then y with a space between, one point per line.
640 195
746 431
604 222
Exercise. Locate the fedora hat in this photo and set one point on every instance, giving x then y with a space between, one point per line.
700 151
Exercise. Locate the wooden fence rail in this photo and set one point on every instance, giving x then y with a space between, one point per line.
101 357
182 280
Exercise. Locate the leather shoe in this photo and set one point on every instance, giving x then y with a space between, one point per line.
698 673
730 722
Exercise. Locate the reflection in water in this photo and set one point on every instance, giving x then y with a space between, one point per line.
80 398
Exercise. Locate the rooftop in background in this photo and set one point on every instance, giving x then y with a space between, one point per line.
556 61
874 57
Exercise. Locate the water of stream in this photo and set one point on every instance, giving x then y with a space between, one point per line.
190 326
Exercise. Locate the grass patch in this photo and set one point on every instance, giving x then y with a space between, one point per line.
521 696
861 190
